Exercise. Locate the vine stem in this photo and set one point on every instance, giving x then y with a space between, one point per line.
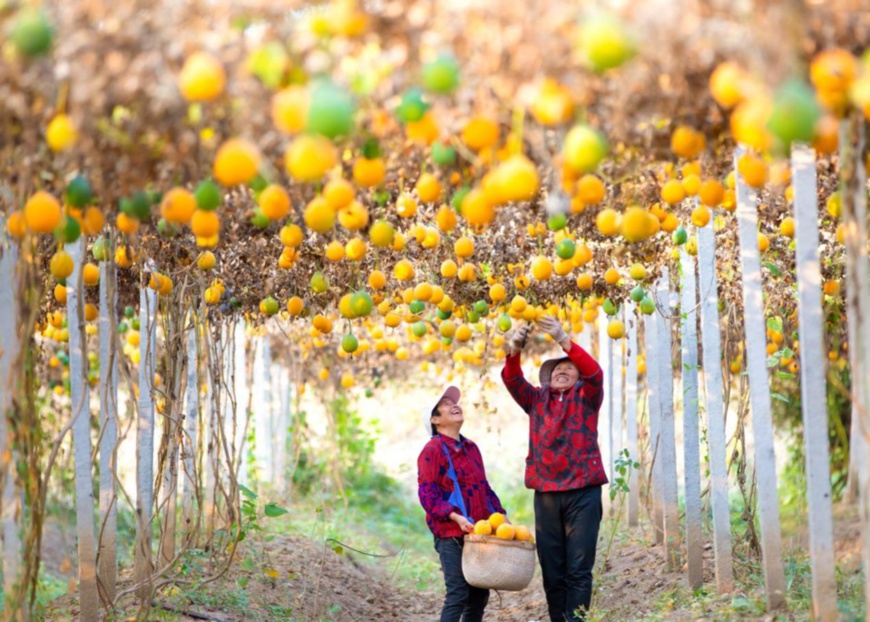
621 493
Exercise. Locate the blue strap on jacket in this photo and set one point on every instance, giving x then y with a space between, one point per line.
455 499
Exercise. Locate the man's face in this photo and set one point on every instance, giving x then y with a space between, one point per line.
564 376
449 414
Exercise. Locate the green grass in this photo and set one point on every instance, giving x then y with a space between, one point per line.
218 599
705 602
515 497
384 518
748 600
47 589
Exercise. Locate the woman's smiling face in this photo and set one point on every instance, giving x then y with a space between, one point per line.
449 415
564 376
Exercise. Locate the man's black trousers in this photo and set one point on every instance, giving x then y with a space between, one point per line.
566 531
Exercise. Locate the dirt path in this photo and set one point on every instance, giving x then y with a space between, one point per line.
319 584
632 579
313 583
328 586
316 584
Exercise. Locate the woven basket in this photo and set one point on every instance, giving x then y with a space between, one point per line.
497 564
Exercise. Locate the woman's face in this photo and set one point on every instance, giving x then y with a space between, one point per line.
449 414
564 376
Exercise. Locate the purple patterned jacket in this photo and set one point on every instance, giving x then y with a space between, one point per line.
435 486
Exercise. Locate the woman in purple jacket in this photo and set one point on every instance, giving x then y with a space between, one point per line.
455 494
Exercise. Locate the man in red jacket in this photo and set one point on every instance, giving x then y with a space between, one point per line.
564 465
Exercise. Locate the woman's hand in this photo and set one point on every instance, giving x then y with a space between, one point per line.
515 340
553 327
464 524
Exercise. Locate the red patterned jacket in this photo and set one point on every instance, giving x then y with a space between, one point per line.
563 427
435 486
